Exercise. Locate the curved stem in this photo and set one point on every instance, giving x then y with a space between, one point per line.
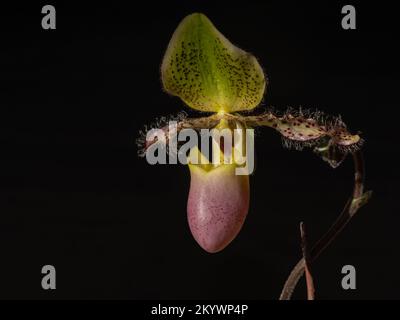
306 257
357 200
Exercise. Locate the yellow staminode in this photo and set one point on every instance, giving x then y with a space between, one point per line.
230 154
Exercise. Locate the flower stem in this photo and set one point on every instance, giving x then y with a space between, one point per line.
358 199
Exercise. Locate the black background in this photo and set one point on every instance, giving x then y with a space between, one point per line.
74 194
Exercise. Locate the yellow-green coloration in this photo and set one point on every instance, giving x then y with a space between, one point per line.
208 72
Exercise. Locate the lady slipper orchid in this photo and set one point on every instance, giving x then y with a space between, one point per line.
210 74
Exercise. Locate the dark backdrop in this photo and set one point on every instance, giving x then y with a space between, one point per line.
74 194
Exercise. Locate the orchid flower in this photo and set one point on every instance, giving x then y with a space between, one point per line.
209 74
